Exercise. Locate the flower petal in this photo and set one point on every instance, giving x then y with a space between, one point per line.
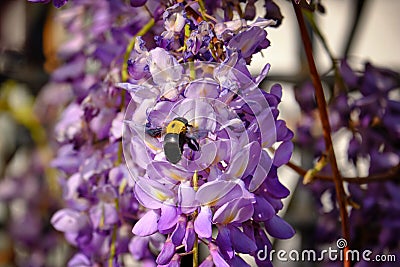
80 260
179 233
190 237
279 228
263 210
67 220
147 225
212 192
186 198
168 218
103 214
224 243
152 194
199 112
208 262
202 88
166 253
261 171
216 256
241 242
138 246
202 223
283 153
158 170
237 210
276 188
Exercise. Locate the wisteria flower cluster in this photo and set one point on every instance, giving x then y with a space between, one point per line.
231 183
223 191
168 151
100 208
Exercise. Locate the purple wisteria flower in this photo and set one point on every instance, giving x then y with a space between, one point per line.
224 178
166 143
231 182
100 208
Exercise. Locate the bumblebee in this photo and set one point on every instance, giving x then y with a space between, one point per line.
175 138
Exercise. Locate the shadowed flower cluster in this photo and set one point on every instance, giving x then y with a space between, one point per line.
368 112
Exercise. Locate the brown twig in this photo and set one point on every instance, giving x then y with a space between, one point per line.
393 173
319 93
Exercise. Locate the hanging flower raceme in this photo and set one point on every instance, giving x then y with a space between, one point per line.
196 139
99 205
197 135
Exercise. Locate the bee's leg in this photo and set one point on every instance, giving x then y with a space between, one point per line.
192 143
154 132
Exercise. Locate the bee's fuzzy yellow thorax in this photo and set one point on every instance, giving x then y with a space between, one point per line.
176 127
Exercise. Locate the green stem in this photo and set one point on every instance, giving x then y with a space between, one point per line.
113 247
310 18
119 157
196 252
195 181
391 174
129 48
203 10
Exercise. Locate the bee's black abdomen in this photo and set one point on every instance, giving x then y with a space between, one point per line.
173 146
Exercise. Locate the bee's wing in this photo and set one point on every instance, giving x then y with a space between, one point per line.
136 128
199 133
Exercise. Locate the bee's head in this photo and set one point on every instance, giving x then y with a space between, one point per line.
183 120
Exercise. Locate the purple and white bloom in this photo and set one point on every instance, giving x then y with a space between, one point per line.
231 180
198 42
174 20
